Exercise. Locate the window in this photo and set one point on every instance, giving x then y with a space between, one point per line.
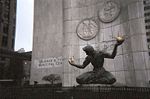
5 28
4 41
148 40
148 33
147 20
147 14
146 2
13 42
147 8
148 46
7 3
0 8
6 15
14 30
2 58
148 27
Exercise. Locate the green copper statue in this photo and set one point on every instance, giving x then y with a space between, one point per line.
99 75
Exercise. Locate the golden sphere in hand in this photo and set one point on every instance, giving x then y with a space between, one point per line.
120 38
71 59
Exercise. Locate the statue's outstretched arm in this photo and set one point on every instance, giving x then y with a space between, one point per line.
112 56
107 55
85 63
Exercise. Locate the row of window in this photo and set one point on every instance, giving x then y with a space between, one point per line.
4 23
147 20
147 14
148 33
147 26
5 42
7 9
5 15
146 2
6 28
147 8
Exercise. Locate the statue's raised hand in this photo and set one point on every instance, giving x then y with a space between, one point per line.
119 40
71 60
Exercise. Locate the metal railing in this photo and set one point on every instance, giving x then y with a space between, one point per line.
74 93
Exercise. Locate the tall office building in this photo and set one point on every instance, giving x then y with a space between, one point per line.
7 23
7 34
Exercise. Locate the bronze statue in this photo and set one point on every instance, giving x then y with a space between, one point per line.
99 75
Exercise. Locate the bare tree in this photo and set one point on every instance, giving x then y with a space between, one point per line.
52 78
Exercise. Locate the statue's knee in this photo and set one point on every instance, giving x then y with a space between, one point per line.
113 80
79 80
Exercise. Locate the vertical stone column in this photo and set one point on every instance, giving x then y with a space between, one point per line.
71 49
138 42
47 39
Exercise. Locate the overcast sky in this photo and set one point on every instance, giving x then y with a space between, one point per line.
24 25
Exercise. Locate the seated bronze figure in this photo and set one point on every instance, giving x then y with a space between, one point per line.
99 75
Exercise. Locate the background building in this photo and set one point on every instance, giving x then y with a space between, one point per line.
56 23
15 69
7 23
7 31
14 66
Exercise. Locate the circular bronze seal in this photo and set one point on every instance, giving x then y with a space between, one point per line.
109 11
87 29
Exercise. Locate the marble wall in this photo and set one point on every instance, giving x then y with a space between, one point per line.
47 39
55 24
131 65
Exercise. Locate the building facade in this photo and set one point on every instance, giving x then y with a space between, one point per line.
63 27
7 26
7 23
15 69
7 32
